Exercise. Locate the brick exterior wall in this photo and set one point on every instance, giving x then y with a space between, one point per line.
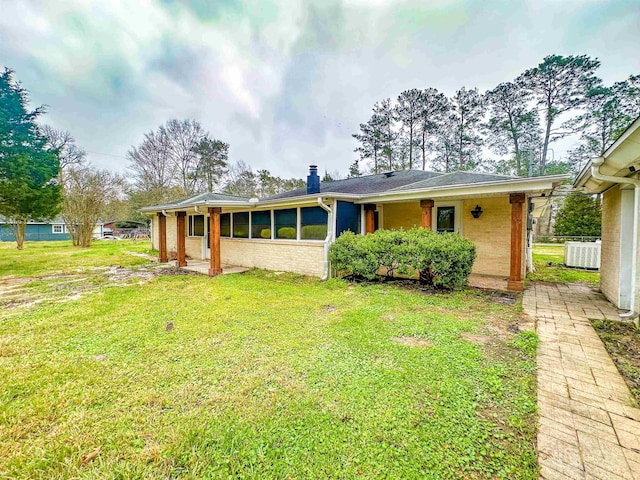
155 242
193 247
402 215
491 234
610 250
306 258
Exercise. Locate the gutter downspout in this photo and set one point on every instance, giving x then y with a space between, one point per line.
595 173
327 240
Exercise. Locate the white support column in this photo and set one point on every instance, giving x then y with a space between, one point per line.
273 224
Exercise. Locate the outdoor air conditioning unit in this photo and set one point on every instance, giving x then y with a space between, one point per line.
582 254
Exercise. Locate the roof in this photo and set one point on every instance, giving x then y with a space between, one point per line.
456 178
202 198
389 186
622 154
367 184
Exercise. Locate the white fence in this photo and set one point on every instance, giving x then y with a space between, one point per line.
582 254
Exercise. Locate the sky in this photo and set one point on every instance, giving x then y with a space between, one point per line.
284 82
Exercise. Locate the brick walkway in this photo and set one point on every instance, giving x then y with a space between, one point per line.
589 426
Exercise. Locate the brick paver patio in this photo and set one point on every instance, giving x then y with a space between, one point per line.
589 424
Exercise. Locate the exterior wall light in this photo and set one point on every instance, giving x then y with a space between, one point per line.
476 212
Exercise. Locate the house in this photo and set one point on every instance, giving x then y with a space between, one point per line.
615 176
293 231
54 229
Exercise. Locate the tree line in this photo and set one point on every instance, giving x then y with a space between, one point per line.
44 173
517 121
181 159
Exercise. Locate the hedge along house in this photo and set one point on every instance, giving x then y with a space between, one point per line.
293 231
615 176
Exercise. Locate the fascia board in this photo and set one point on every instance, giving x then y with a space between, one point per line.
183 206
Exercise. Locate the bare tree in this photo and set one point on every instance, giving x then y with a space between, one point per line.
87 193
63 143
151 163
183 138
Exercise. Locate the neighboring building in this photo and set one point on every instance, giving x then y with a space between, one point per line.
126 229
293 231
41 231
615 176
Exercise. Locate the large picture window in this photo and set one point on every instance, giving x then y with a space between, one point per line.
286 223
241 225
261 224
446 219
225 225
196 225
313 224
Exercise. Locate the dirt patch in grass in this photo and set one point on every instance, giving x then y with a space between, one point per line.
27 292
413 342
476 338
622 341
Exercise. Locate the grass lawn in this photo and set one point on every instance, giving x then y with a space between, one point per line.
257 375
548 261
61 257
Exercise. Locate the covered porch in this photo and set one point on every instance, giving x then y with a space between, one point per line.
495 223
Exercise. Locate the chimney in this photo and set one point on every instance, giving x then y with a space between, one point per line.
313 180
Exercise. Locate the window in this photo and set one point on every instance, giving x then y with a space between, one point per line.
261 224
225 225
241 225
313 223
446 219
57 228
286 223
348 217
196 226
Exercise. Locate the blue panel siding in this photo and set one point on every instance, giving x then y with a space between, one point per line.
348 217
33 233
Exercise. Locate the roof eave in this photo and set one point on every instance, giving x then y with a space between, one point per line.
530 184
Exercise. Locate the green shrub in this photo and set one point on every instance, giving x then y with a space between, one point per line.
287 232
265 233
313 232
441 260
241 231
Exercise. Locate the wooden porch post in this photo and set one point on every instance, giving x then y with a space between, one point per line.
162 238
369 217
182 258
214 241
427 209
515 277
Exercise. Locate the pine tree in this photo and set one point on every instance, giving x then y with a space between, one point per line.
28 169
558 84
513 128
